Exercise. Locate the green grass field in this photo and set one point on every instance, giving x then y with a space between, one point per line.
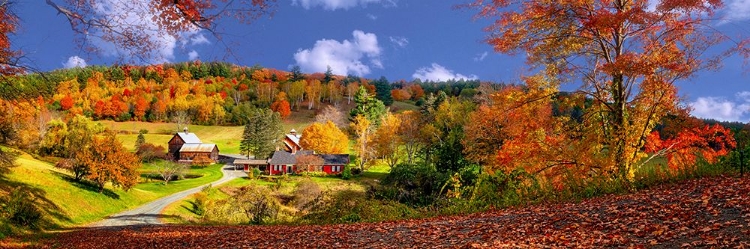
80 203
227 138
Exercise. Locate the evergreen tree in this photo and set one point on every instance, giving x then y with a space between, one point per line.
328 75
262 130
296 74
383 90
367 106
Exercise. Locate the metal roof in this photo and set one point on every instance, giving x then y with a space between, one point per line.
197 147
294 138
189 138
250 161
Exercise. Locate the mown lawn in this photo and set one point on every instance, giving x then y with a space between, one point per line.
227 138
81 203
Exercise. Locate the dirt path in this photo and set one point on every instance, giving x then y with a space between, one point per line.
149 213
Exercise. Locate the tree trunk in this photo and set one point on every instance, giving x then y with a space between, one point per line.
619 128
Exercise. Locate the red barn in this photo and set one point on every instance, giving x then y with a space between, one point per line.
291 142
185 146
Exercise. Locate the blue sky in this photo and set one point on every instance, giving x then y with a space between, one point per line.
398 39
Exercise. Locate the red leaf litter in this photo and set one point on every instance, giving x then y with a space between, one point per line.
709 212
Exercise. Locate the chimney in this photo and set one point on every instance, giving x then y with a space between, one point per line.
185 130
293 132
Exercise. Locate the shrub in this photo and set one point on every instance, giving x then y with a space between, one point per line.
314 173
347 173
257 204
413 184
202 161
200 204
256 173
353 206
19 208
306 195
149 152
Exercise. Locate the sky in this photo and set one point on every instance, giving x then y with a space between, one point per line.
398 39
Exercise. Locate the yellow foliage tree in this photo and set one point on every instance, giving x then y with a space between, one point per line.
324 138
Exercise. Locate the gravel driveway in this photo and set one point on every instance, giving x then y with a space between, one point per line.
149 213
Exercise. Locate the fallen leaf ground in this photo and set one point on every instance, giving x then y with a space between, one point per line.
709 212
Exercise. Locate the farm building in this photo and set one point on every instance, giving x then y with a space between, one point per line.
291 142
283 162
185 146
247 165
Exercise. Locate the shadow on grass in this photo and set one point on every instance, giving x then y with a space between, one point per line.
86 185
51 213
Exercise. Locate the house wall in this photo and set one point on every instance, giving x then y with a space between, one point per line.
281 169
333 169
174 147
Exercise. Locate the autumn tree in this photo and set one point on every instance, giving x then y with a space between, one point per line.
262 131
9 58
107 161
308 162
132 30
689 145
297 93
363 130
333 114
313 93
169 170
626 55
281 105
409 133
324 139
387 141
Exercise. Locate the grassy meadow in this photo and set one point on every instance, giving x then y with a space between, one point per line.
71 203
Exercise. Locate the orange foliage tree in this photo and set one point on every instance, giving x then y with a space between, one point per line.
8 57
171 18
685 148
627 56
281 105
106 160
324 139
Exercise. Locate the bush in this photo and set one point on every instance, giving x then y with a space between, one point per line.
202 161
306 195
347 173
19 208
256 173
200 204
349 206
257 204
413 184
149 152
314 173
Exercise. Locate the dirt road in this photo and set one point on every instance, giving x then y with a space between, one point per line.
149 213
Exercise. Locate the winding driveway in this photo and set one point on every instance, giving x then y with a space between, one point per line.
149 213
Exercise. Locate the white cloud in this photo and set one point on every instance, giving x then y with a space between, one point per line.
138 15
737 10
339 4
439 73
372 17
199 39
480 57
344 57
75 61
399 41
723 109
193 55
